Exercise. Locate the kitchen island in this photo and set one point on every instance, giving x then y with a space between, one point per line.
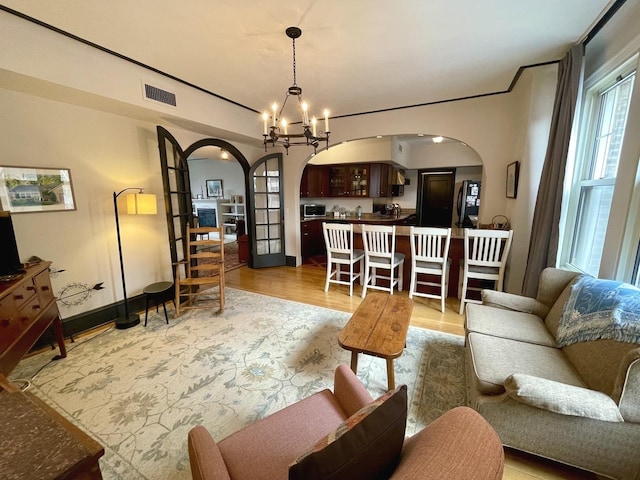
313 241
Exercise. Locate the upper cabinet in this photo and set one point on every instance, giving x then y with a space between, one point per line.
337 180
358 181
347 180
314 181
380 185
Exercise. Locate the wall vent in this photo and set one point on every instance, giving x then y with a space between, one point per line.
159 95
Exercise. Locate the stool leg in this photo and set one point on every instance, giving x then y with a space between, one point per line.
166 317
146 310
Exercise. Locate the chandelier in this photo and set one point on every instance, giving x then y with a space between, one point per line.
276 127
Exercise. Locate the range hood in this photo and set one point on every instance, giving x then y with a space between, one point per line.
397 177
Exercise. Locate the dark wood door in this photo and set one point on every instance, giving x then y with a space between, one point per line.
435 198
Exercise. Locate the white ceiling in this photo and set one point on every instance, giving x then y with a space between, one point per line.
354 56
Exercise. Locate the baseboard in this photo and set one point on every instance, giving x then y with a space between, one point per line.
86 321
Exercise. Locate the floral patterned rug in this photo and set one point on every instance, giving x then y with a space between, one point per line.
139 391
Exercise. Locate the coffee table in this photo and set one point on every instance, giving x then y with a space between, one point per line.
378 327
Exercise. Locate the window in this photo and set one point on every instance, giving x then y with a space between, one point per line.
595 171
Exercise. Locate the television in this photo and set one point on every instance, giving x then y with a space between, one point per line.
9 258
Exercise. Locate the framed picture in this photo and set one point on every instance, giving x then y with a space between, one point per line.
513 170
34 189
214 189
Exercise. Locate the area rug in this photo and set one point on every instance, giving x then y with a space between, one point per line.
231 257
139 391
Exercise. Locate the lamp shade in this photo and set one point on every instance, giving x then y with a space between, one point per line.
141 204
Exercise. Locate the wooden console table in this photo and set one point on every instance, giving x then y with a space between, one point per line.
39 443
378 327
27 309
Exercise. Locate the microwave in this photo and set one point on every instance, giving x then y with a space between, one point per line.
312 210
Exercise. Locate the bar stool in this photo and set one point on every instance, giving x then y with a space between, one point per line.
157 292
430 257
485 258
380 253
338 239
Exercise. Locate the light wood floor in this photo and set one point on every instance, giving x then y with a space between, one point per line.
305 284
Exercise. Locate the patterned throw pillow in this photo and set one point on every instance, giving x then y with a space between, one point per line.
365 446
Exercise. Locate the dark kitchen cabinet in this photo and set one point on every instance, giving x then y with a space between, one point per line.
314 181
337 181
359 181
312 238
380 180
348 180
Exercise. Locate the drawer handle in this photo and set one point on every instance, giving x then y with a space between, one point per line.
31 288
18 297
35 307
45 288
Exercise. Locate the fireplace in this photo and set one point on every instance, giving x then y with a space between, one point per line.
207 217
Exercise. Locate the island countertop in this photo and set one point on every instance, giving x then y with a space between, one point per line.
402 228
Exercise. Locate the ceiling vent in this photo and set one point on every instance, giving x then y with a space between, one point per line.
159 95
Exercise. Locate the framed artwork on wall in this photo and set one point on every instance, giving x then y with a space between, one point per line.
513 170
214 189
34 189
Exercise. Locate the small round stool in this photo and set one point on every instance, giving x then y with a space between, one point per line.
156 291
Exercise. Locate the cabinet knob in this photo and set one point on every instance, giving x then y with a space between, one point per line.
18 297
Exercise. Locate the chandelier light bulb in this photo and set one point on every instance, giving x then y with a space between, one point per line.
305 113
313 125
283 122
265 118
326 120
274 107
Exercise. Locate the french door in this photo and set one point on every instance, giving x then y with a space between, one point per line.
267 200
264 208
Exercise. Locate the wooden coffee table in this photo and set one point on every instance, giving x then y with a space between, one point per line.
378 327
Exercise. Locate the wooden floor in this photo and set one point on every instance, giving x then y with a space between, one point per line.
305 284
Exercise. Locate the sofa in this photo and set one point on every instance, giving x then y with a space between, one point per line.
345 434
577 403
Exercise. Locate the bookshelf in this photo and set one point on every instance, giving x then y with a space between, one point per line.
230 213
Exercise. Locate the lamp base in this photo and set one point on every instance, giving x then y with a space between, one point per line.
131 321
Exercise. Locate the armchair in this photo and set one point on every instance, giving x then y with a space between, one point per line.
345 434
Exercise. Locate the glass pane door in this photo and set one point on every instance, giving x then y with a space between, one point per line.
267 196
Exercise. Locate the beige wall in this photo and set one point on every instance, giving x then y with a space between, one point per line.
60 109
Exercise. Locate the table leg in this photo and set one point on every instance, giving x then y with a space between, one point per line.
391 379
354 362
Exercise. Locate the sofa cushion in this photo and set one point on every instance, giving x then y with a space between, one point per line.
499 322
366 446
517 303
552 321
562 398
494 359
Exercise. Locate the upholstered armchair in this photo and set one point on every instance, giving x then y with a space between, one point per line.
346 434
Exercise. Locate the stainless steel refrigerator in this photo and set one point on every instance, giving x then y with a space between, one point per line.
468 203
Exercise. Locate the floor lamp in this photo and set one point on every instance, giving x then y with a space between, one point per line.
137 204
